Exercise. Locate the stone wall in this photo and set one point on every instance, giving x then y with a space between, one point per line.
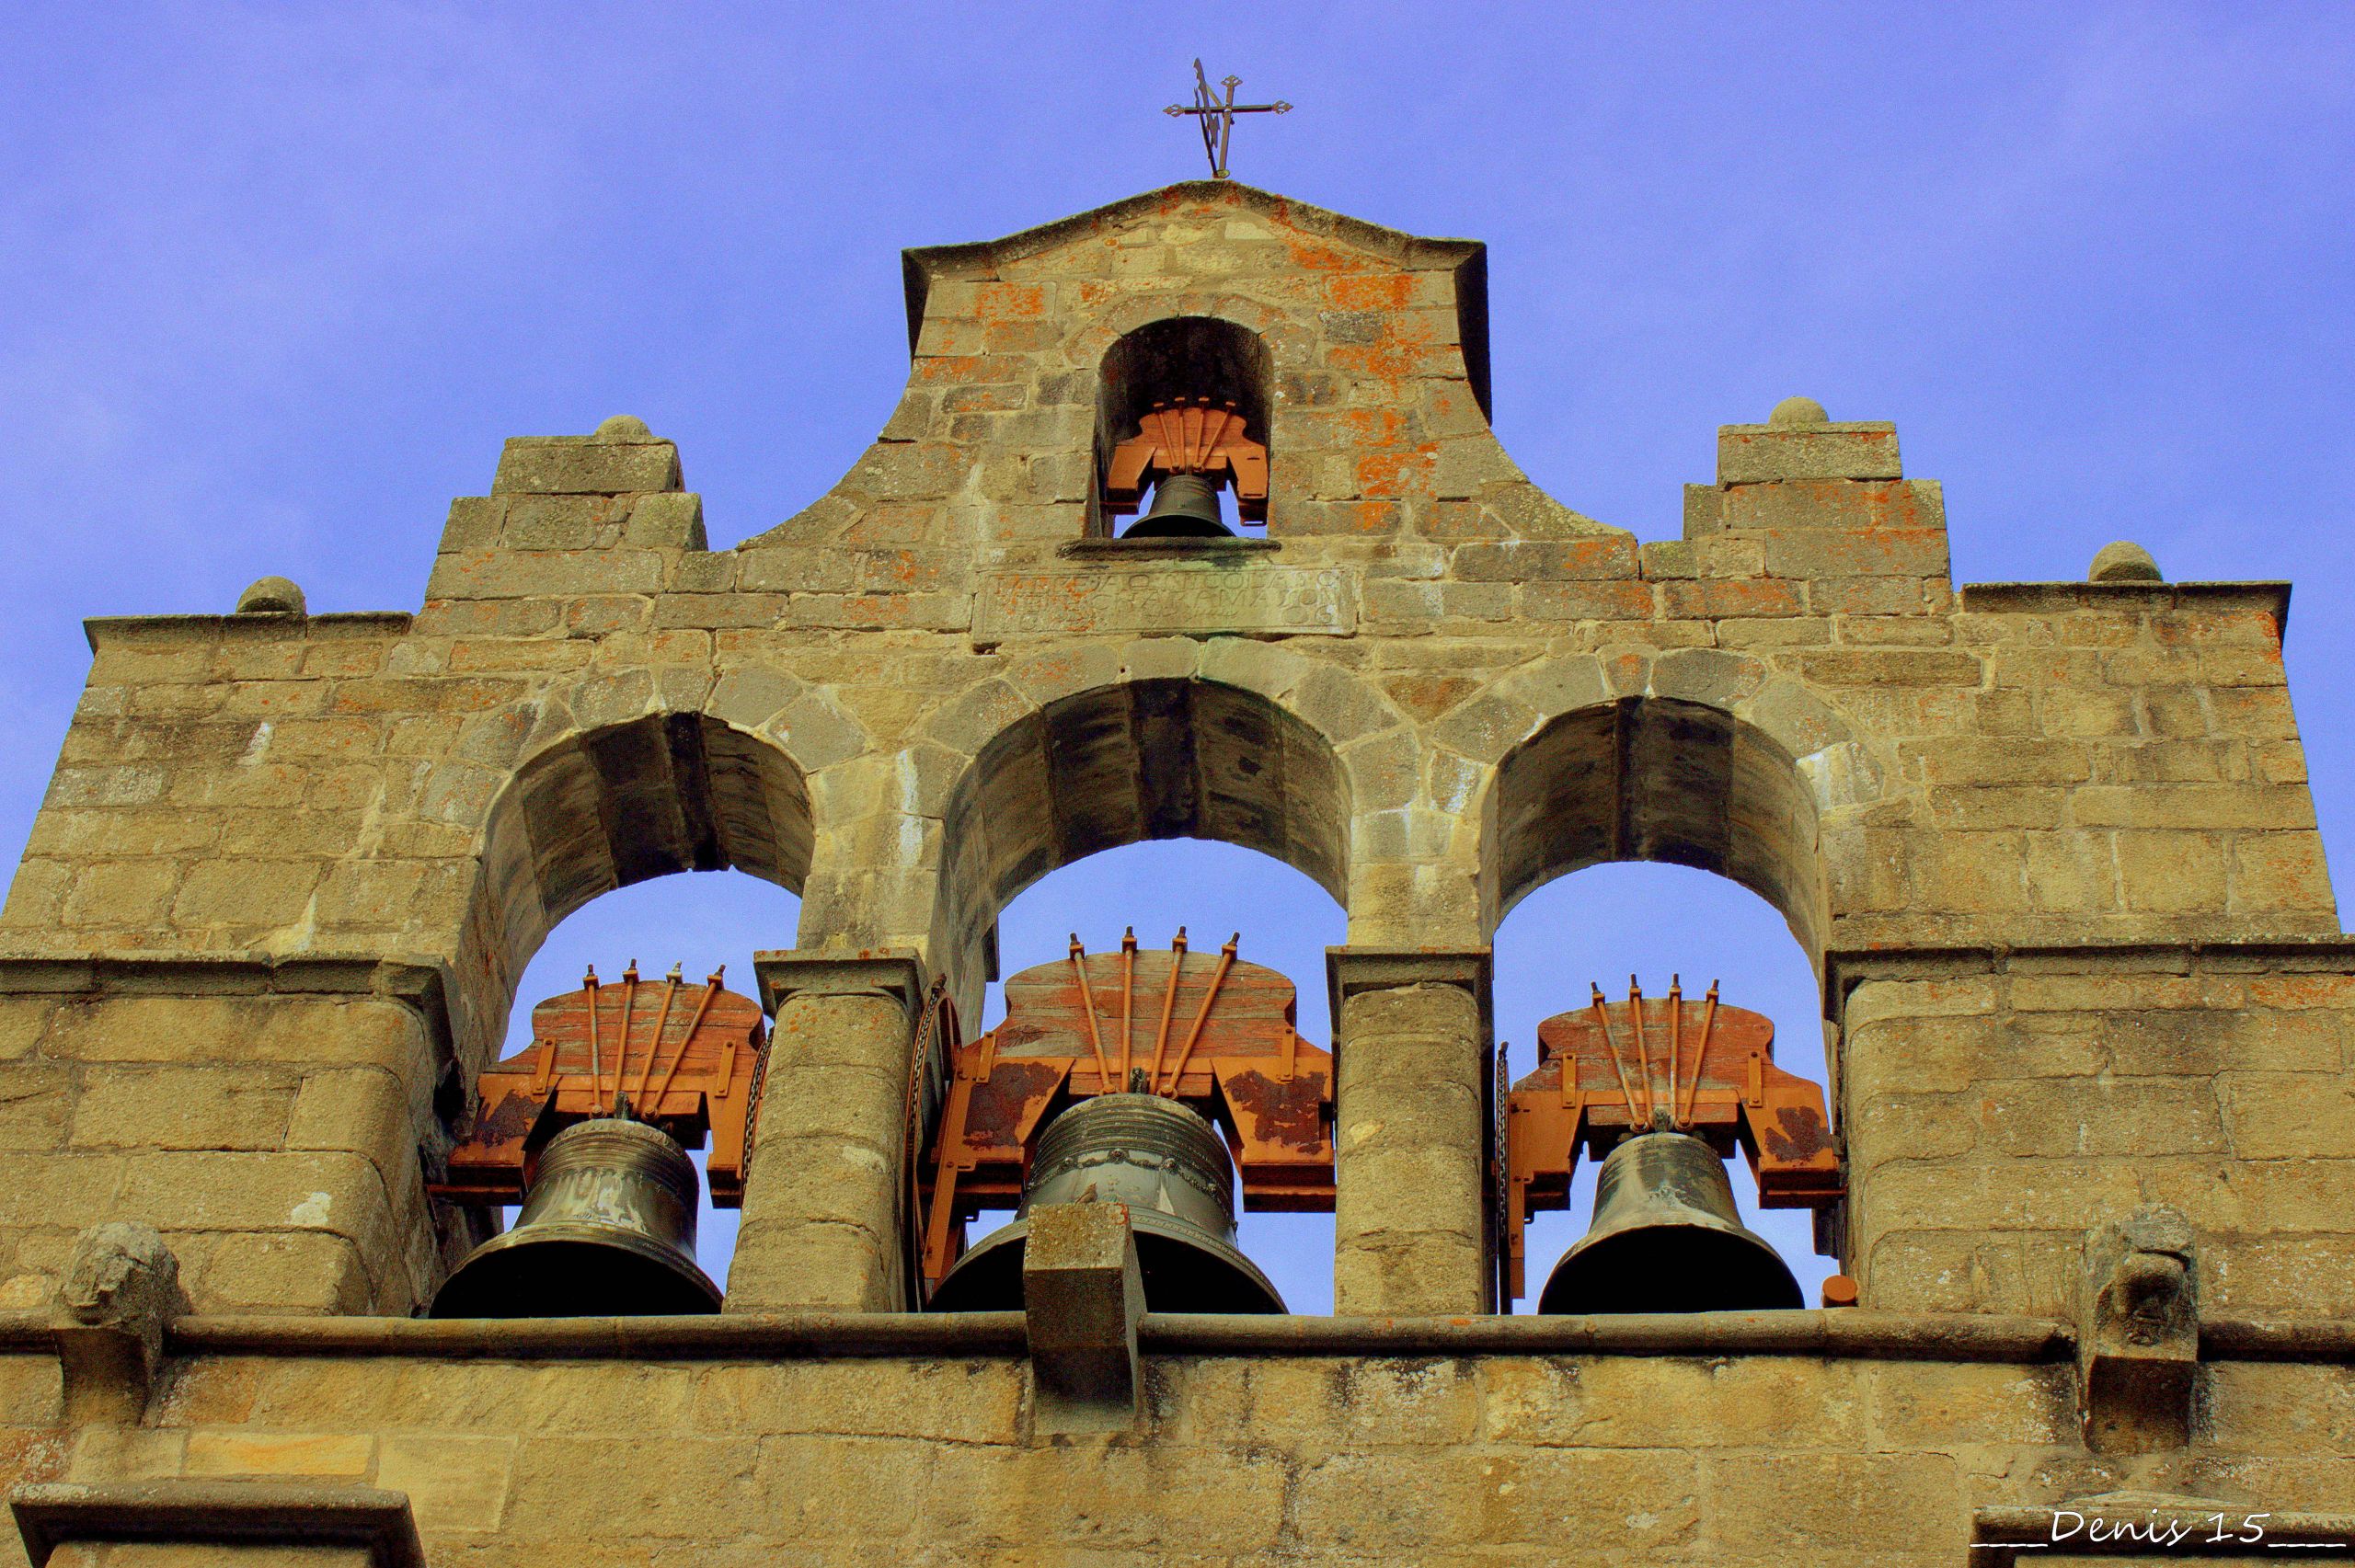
1431 686
1437 1459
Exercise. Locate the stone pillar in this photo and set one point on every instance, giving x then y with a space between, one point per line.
1411 1220
822 1227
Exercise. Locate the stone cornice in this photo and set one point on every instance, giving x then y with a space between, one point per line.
2046 598
419 984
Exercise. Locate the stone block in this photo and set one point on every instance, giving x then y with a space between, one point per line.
584 465
1855 449
1083 1295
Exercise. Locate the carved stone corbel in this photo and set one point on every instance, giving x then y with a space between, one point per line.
121 1287
2138 1342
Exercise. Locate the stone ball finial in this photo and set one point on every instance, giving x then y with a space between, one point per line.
1798 411
623 427
2122 560
271 596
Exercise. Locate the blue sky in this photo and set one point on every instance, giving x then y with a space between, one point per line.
275 280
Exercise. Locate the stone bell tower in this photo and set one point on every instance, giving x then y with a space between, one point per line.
2050 845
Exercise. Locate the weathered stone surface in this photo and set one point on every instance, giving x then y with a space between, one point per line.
2053 845
1166 598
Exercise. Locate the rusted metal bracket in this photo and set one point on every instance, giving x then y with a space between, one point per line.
1188 436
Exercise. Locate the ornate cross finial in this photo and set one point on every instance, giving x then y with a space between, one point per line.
1217 116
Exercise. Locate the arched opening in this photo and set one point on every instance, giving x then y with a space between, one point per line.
1712 802
702 925
1196 361
614 807
1120 768
1608 923
584 830
1659 779
1211 889
1141 760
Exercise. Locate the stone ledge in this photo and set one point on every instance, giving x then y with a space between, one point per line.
422 986
253 1513
117 631
1351 969
1165 549
1844 971
1851 1332
2048 598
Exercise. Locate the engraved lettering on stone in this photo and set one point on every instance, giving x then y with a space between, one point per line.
1254 598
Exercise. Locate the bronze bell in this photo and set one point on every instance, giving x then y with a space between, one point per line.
1666 1239
608 1230
1171 1167
1185 506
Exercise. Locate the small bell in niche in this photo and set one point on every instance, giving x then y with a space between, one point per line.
1187 450
1185 506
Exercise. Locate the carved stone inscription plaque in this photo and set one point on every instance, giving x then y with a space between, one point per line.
1166 598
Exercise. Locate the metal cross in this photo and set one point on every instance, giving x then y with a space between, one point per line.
1217 116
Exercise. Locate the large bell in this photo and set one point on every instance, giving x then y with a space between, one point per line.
1665 1239
1185 506
1170 1167
608 1230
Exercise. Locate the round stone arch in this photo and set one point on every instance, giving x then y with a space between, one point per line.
603 807
1169 754
1694 757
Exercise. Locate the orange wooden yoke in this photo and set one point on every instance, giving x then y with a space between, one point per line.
1621 1066
1216 1034
1189 438
685 1058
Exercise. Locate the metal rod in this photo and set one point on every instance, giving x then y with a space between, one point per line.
1643 1051
1701 1052
1675 1039
1168 1002
1218 977
1087 1001
654 1049
1602 1016
711 988
596 1065
620 1049
1128 1002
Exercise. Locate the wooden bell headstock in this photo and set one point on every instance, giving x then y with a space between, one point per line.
686 1059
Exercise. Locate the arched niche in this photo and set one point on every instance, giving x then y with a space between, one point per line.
1177 356
616 805
1658 779
1120 764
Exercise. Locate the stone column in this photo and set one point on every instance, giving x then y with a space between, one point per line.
822 1227
1411 1217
